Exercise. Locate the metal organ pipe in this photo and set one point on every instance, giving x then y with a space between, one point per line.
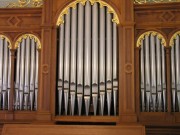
159 75
94 56
142 78
80 57
5 74
163 77
109 61
17 78
66 62
102 60
73 58
153 71
87 57
27 68
9 78
32 75
36 76
147 73
115 77
173 79
60 67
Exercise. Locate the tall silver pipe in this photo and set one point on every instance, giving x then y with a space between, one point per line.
32 74
21 83
159 75
87 57
5 74
66 61
36 77
95 56
9 78
27 70
173 79
177 70
80 57
163 77
17 78
115 78
1 69
60 67
153 71
73 58
147 73
142 78
102 59
109 60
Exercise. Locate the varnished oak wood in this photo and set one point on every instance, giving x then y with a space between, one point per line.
72 130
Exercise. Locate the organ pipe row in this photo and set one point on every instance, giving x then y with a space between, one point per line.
26 74
153 82
87 62
26 78
5 73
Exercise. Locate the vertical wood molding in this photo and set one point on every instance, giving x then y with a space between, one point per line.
44 102
127 66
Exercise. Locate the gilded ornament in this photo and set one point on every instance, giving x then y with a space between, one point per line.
73 5
4 37
25 36
154 33
25 3
174 38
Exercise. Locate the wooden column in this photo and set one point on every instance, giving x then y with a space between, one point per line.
11 104
168 73
127 91
44 102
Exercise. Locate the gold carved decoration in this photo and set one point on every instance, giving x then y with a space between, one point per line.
25 3
154 33
4 37
154 1
173 38
110 9
25 36
73 5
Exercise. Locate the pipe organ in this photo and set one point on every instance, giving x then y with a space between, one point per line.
152 72
26 73
175 71
87 82
5 72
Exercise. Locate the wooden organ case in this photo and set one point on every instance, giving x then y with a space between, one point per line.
87 67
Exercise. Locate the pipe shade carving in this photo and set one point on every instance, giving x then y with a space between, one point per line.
87 82
73 5
26 73
5 72
152 72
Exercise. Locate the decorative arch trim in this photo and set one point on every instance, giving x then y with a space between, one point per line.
73 5
154 33
4 37
173 38
25 36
